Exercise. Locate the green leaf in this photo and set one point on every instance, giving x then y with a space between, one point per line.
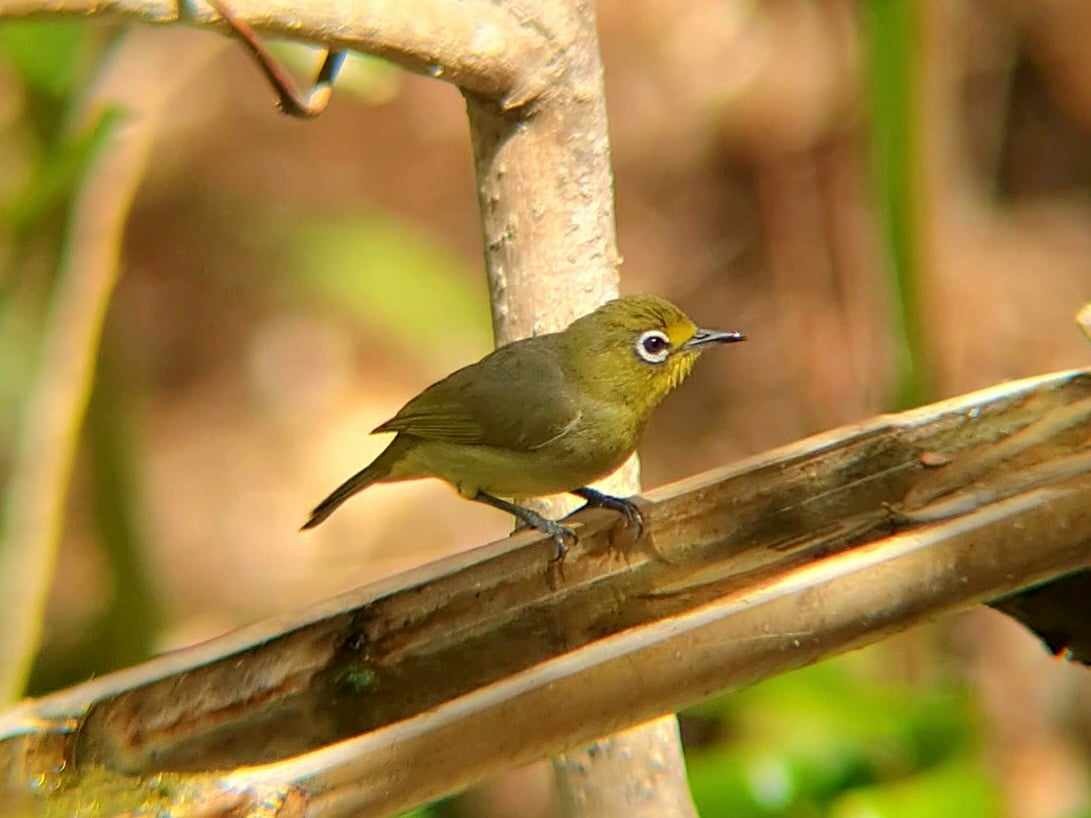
752 781
398 280
960 789
799 741
890 35
58 175
46 54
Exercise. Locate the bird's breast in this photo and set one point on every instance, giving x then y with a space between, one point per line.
584 455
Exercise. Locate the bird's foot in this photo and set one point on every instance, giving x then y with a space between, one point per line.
562 536
634 517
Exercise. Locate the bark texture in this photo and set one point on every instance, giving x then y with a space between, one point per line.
545 188
394 694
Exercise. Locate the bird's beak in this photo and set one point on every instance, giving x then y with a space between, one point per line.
712 336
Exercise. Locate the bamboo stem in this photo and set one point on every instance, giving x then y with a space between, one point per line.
419 685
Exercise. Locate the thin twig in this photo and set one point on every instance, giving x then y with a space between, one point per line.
289 98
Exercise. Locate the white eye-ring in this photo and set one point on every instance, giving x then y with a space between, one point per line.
653 346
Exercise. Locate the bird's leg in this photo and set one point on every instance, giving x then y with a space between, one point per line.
627 508
557 532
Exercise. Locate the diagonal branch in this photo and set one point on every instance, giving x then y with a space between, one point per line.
421 684
486 48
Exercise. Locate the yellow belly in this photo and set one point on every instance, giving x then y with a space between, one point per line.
507 473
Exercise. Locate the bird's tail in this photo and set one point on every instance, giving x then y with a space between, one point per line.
379 469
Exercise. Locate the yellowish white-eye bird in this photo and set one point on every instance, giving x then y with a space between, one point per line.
543 415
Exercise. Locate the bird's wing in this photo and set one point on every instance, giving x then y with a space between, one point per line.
516 398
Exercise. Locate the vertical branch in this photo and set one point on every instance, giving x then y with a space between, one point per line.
57 403
638 773
545 188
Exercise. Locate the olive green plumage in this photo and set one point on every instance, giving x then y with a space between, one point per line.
543 415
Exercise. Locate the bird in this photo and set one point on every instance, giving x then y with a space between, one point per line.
543 415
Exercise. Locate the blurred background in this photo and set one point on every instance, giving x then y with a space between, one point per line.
890 197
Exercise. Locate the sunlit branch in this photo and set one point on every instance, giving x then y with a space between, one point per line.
481 46
424 683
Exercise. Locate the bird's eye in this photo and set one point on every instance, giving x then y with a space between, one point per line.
653 346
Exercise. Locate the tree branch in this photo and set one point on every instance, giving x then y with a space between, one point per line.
546 194
486 48
421 684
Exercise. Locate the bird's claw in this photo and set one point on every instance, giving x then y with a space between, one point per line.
634 517
561 536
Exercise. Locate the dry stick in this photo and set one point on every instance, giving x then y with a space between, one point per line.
365 705
545 188
481 46
57 402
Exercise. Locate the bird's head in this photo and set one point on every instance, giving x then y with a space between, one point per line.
637 349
